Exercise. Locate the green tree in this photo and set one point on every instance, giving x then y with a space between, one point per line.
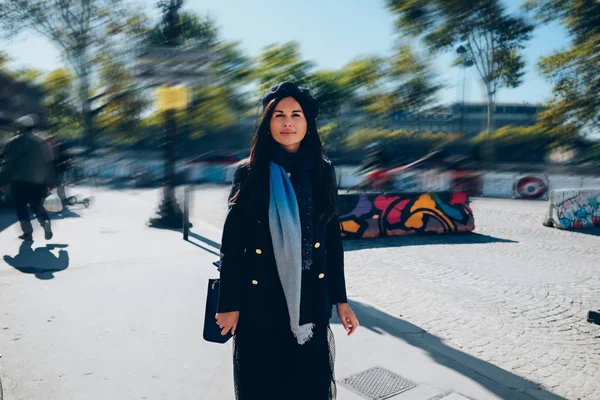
364 78
517 144
281 62
120 115
217 102
487 35
332 136
332 90
63 118
575 107
57 88
361 138
196 31
210 112
79 28
400 144
414 84
4 60
381 86
29 75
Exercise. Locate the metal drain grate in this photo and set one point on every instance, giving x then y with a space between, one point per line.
451 394
441 395
377 383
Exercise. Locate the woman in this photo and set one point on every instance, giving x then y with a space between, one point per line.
282 258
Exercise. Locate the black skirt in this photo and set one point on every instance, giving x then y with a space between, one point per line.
269 364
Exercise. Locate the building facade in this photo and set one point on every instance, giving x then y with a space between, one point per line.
470 119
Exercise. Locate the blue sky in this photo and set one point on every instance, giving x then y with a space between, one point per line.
331 33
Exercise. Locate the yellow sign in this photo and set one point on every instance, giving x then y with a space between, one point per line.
171 98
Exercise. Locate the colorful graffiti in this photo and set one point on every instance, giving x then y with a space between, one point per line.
394 214
574 209
531 187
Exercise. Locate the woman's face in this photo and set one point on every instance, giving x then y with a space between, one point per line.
288 124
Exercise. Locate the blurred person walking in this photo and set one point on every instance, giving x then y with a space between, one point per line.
28 168
62 163
374 158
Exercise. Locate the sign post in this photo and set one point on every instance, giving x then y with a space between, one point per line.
172 68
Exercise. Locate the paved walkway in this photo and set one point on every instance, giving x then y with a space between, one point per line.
113 309
515 294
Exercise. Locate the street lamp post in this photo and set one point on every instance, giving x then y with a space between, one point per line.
169 212
466 63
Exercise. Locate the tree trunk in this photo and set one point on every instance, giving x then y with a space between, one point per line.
86 113
489 145
490 113
170 154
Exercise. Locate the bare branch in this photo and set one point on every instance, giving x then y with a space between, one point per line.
496 68
488 49
481 70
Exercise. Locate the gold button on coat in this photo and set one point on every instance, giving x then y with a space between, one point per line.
258 251
254 282
317 245
321 276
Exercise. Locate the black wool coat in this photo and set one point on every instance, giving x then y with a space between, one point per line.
249 279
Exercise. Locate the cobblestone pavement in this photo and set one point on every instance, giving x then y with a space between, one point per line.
515 293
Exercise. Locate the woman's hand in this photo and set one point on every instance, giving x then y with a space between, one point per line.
228 321
347 317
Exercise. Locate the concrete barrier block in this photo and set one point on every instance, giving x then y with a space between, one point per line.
373 215
565 182
213 172
465 181
347 176
156 168
409 181
195 173
590 183
138 167
434 180
229 172
574 209
181 167
498 184
90 170
106 170
444 182
123 169
531 187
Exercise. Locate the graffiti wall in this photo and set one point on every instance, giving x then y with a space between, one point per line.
373 215
531 187
574 209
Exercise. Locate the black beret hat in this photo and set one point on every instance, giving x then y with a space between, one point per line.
289 89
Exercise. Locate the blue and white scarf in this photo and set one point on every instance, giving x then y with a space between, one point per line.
286 232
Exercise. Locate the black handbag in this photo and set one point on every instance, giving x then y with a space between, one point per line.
212 332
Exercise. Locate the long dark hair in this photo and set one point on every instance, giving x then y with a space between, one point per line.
257 182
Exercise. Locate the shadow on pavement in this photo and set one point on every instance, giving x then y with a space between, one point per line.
421 240
65 213
205 248
212 247
8 217
39 262
205 240
589 231
493 378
